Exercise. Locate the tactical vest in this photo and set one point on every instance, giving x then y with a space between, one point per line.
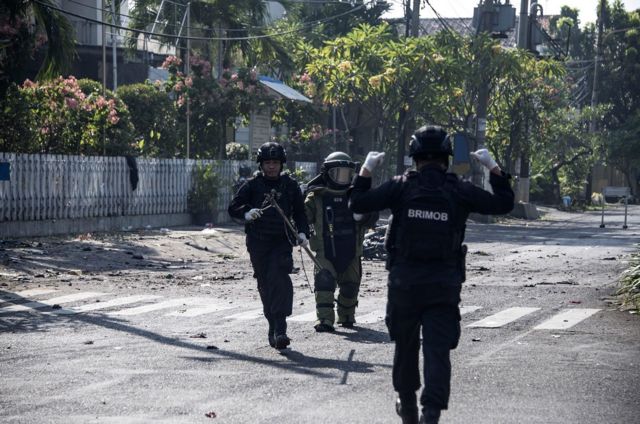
271 224
427 227
338 230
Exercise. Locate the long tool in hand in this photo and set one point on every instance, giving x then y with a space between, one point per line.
272 199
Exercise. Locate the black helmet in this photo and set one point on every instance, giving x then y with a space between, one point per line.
338 169
271 151
430 141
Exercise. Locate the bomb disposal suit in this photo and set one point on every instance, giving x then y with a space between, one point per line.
269 240
426 262
336 239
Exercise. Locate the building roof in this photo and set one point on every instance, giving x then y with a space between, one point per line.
280 89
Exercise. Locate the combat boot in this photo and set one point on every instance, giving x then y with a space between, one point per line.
408 414
323 326
280 331
282 341
430 416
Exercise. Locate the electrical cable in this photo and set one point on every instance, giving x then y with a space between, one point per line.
181 37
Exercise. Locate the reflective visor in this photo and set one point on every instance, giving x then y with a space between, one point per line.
341 175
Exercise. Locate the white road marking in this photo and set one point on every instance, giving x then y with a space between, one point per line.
247 315
194 312
370 318
468 309
53 301
156 306
104 305
309 316
566 319
27 293
503 317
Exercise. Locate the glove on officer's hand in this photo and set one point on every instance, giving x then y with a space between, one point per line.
373 160
484 157
253 214
358 217
302 240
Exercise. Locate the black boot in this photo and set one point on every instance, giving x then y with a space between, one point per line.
430 416
282 341
406 411
272 335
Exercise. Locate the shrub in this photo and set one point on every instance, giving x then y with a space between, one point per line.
153 117
237 151
203 196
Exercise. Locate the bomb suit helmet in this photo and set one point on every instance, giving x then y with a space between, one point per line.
338 170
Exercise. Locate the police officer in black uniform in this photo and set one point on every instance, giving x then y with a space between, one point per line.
269 240
426 260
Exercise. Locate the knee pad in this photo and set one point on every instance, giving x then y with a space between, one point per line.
349 289
324 281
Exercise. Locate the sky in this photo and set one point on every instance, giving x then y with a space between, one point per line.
464 8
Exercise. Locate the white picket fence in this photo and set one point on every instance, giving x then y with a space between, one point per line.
45 187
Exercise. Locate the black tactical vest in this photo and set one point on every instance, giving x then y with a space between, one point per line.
271 225
339 230
427 226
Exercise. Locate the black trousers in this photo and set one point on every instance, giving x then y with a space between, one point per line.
434 309
272 263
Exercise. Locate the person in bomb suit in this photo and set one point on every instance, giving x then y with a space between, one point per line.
426 261
336 239
269 240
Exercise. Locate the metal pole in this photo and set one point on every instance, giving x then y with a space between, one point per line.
114 51
624 227
188 66
596 66
104 71
602 219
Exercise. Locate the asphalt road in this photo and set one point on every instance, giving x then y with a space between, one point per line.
165 326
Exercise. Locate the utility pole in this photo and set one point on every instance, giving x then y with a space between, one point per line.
596 67
522 186
104 69
114 50
415 18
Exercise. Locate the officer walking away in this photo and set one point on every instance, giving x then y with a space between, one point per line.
269 240
426 261
336 238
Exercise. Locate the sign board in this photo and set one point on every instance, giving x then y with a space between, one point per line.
259 128
5 171
616 191
461 161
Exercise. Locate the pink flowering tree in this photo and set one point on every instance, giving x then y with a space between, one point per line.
214 104
66 116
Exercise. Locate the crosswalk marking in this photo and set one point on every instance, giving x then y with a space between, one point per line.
202 310
503 317
53 301
566 319
246 315
157 306
104 305
195 306
27 293
468 309
309 316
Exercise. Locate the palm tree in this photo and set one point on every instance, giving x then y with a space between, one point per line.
239 23
25 26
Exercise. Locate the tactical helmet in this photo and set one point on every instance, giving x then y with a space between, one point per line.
430 141
338 169
271 151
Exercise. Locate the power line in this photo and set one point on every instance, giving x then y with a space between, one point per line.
253 37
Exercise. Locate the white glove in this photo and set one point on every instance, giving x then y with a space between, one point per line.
358 217
253 214
484 157
373 160
302 240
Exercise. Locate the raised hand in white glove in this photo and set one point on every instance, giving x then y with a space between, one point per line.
484 157
358 217
302 240
373 160
253 214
